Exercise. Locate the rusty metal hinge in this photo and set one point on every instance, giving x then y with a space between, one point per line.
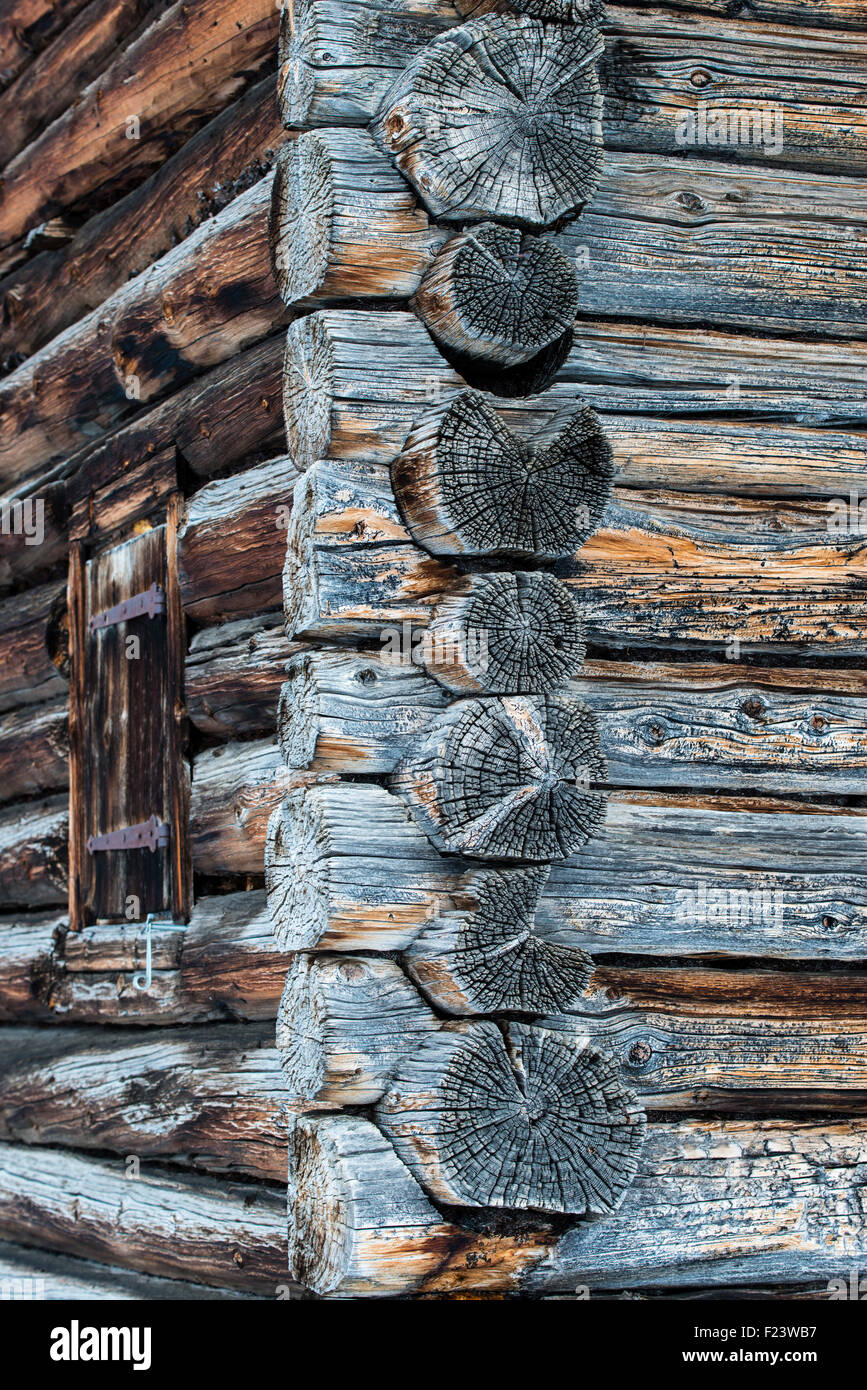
151 602
150 834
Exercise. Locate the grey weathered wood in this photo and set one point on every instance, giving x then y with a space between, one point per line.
522 1118
511 777
483 952
27 944
209 1097
235 788
34 862
344 1022
234 673
344 224
535 155
58 1278
496 293
359 1224
670 876
467 486
357 381
207 1230
32 636
34 755
662 566
685 725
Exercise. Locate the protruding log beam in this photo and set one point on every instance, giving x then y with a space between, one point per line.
467 486
536 155
496 293
507 778
344 224
344 1022
359 1224
694 876
321 39
519 1118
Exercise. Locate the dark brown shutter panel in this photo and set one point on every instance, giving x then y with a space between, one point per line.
125 736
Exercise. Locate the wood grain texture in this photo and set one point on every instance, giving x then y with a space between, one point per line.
28 674
34 861
672 875
59 1279
182 68
26 27
53 289
34 752
207 1230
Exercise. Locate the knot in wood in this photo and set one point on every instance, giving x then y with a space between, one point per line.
500 118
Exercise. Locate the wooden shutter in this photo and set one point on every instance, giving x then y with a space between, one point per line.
126 751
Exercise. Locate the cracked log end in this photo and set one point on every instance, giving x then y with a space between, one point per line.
507 778
308 369
343 1023
497 294
302 212
297 896
485 955
506 633
467 486
358 1222
500 118
521 1118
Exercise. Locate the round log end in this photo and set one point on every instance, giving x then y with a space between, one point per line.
496 293
484 955
535 154
524 1119
507 633
300 1033
467 485
297 710
508 778
308 370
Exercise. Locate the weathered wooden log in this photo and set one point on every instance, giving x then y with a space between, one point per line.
233 541
34 755
356 381
497 293
235 788
63 69
31 629
535 157
467 486
151 335
669 876
344 224
521 1118
34 533
228 414
52 290
483 952
28 26
27 946
234 674
359 1225
34 863
182 68
660 567
211 1097
344 1022
58 1278
507 778
647 73
755 727
204 1229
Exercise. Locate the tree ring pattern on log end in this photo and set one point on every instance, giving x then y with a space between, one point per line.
496 293
302 209
500 118
556 11
485 956
508 778
467 485
300 1034
529 1121
516 634
297 709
